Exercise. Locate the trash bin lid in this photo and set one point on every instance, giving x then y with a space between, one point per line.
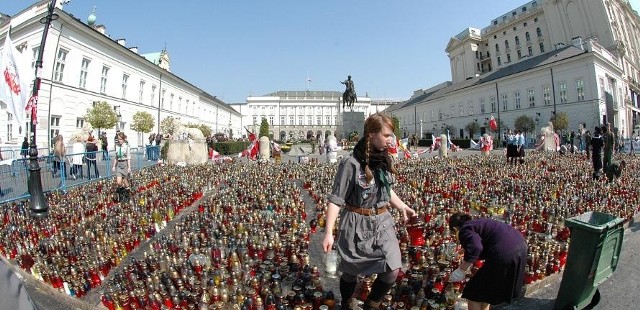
594 221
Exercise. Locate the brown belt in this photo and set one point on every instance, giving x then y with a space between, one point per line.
366 211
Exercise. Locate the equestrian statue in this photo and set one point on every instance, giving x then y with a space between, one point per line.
349 94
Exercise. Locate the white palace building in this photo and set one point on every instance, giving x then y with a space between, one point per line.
577 57
82 65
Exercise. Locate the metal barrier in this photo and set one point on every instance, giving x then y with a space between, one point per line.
59 174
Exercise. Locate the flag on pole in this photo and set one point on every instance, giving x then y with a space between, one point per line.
14 81
493 124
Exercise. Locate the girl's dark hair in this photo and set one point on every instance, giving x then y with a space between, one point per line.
458 219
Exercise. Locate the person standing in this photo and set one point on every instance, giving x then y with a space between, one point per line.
596 147
587 143
24 150
59 153
511 146
520 146
91 151
104 145
609 143
504 251
362 194
122 165
77 148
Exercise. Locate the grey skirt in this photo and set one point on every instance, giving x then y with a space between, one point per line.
122 169
367 244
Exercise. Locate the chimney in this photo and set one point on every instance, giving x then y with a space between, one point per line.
122 42
134 49
101 28
577 42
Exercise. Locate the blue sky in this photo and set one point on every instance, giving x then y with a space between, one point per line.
236 48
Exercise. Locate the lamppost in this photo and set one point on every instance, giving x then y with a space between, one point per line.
421 130
37 204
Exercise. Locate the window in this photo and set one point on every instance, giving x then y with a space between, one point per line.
527 36
79 122
517 40
9 126
506 44
499 61
539 32
516 99
505 102
60 62
164 92
179 104
519 54
546 95
255 120
300 121
327 120
84 71
562 86
171 102
271 120
291 122
141 91
461 107
153 95
103 79
309 120
282 118
34 57
54 125
508 58
530 50
492 101
482 108
125 81
532 98
319 120
541 47
580 90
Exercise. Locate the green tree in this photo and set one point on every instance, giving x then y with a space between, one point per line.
101 116
524 123
396 125
169 125
472 128
560 121
142 122
264 128
206 130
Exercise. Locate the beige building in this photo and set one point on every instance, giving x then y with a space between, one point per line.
546 56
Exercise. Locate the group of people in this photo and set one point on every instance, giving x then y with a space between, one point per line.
603 141
515 146
362 194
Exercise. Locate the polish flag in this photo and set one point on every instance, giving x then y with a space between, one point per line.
493 124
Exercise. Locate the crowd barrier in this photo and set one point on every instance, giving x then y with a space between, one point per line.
58 174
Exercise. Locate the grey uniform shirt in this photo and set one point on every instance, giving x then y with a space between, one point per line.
367 244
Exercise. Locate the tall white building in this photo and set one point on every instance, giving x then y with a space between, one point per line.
299 115
82 64
546 56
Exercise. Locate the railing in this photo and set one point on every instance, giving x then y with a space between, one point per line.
59 174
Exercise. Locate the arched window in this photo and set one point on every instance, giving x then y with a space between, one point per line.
539 32
517 40
506 43
497 48
527 36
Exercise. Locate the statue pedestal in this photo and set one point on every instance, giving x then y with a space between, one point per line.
349 122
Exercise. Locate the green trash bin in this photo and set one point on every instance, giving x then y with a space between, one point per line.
594 249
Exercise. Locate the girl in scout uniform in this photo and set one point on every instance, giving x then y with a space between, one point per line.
362 195
122 164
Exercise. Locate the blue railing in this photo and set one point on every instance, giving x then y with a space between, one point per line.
62 174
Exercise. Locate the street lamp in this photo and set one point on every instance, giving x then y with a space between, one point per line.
37 204
421 129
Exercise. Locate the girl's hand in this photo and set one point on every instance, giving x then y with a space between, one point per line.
327 242
407 213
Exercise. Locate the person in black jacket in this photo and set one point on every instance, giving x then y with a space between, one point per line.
597 142
92 150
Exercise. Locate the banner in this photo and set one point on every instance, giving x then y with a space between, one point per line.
14 82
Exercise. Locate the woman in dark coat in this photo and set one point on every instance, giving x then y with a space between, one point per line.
597 142
501 277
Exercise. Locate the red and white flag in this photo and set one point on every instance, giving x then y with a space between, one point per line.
14 82
493 124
